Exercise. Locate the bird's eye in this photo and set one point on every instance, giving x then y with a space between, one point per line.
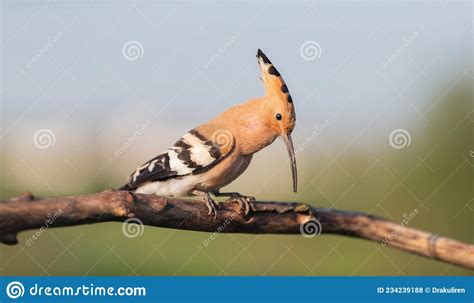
278 116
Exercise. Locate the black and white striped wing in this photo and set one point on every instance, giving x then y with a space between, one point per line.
192 154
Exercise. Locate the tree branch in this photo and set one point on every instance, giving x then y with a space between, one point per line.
27 212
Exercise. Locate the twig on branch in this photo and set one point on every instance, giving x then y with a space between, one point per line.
27 212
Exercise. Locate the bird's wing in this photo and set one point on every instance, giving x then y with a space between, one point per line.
192 154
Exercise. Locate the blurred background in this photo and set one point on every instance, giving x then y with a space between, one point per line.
383 94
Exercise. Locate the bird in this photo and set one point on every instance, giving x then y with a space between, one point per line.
215 153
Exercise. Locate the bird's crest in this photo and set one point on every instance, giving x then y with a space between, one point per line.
273 82
276 90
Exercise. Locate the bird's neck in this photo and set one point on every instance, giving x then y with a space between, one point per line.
248 122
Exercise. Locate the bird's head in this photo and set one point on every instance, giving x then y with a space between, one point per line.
278 107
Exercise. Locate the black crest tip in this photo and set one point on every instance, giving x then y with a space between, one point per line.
264 57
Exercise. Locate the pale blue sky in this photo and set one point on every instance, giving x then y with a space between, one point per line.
84 73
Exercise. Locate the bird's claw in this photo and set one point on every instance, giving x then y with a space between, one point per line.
245 202
211 206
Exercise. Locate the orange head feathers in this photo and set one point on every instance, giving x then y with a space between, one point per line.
278 106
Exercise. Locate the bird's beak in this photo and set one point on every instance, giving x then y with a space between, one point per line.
291 154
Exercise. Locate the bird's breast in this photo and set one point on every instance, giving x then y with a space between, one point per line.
224 172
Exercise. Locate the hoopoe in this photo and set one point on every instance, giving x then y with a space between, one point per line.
215 153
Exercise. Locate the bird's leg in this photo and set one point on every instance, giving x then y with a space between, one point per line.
244 201
210 203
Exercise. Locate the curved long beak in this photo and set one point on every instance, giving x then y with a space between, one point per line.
291 154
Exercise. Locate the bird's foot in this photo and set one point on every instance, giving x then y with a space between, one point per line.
211 206
210 203
245 202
